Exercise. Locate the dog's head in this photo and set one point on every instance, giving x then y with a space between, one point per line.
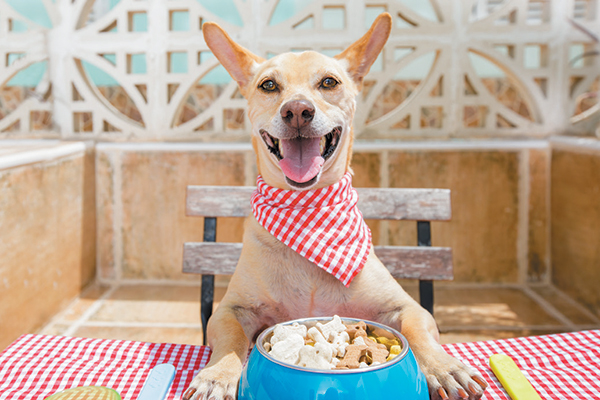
301 105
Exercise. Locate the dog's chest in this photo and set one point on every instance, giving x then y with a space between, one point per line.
291 286
302 289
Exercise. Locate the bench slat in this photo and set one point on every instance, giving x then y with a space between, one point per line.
374 203
425 263
406 204
429 263
218 201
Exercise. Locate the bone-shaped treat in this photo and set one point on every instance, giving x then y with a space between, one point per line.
363 349
376 351
281 332
352 329
331 345
319 356
333 327
337 341
288 349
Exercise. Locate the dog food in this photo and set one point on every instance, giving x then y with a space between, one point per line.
333 345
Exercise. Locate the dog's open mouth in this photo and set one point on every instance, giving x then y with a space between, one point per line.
300 158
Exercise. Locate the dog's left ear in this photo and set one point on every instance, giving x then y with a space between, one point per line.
363 53
238 61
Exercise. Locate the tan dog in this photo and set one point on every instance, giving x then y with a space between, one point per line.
310 95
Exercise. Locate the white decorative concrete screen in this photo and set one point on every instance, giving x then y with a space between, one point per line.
140 70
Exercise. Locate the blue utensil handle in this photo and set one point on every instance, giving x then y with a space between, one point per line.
158 382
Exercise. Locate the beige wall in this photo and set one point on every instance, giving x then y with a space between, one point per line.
498 225
499 228
142 224
576 220
47 246
122 210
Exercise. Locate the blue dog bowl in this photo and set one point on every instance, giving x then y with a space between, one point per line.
265 378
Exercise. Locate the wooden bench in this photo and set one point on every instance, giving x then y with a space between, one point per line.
421 262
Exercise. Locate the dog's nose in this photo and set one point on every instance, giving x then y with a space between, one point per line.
297 113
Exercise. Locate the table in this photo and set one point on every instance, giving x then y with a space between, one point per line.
561 366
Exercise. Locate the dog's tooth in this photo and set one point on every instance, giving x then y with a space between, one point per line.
322 144
268 140
280 147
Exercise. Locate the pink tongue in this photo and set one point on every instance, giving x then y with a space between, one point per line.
302 159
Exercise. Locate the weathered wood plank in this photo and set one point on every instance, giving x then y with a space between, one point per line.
431 263
407 204
218 201
374 203
211 258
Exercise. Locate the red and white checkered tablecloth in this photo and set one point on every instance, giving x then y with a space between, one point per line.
562 366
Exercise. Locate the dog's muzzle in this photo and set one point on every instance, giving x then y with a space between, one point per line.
301 158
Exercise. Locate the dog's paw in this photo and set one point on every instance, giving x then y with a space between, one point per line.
213 384
450 379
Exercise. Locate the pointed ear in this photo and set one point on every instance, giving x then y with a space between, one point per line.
363 53
237 60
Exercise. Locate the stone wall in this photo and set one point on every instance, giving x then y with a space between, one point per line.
576 219
523 212
141 205
499 227
47 232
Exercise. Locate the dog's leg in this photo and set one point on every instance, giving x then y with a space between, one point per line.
229 344
447 377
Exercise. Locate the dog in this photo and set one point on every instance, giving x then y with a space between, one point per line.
301 107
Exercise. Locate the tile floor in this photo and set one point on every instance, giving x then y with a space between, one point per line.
170 312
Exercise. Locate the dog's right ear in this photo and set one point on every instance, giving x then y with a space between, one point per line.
363 53
238 61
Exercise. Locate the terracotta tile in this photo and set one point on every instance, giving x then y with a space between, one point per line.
539 174
485 307
54 329
575 205
565 305
154 334
42 268
88 297
154 223
157 306
484 225
152 304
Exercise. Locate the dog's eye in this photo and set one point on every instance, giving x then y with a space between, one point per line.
268 85
329 83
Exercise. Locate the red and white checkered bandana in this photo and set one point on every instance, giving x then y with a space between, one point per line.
322 225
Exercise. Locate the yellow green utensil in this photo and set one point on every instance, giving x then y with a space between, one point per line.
86 393
515 383
156 387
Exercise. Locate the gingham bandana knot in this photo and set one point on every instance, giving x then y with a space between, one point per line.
322 225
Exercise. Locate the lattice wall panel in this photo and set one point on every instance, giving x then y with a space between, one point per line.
140 70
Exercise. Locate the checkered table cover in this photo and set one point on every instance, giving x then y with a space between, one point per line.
561 366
